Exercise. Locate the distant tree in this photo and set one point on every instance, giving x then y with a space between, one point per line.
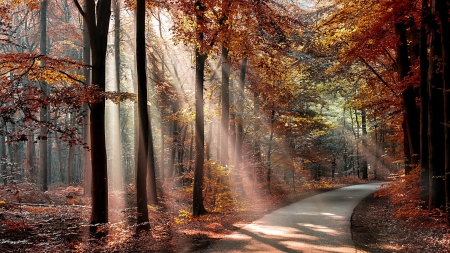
44 110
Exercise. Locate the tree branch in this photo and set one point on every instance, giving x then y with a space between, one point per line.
80 9
379 77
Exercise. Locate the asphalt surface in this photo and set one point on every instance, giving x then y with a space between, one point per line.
320 223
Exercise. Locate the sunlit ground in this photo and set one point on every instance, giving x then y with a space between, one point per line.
301 227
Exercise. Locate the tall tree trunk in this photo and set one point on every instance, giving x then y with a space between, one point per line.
436 148
116 170
43 113
151 175
443 9
424 103
239 118
226 66
200 59
198 207
87 166
141 170
97 15
408 95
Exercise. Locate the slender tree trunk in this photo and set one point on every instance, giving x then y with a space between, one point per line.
116 170
200 59
175 140
70 157
239 119
151 194
257 147
30 154
357 138
424 103
198 207
269 151
436 148
209 141
191 148
3 157
364 142
443 9
162 164
141 170
181 151
60 160
87 166
43 113
232 126
226 66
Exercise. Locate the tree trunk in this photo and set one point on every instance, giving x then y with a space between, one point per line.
43 113
3 161
232 126
97 15
141 170
198 208
424 103
162 164
239 118
269 150
116 171
436 148
364 166
30 155
408 95
70 157
200 59
443 9
180 155
60 160
257 147
87 166
175 140
152 194
191 152
226 66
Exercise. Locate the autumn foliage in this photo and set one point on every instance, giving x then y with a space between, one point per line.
405 194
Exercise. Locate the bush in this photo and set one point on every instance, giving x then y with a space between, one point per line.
404 193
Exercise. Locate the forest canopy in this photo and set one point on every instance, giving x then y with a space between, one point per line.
133 104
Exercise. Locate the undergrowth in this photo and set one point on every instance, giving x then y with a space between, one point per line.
404 194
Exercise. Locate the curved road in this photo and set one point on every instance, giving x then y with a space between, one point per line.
320 223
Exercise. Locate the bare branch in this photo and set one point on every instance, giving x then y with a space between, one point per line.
80 9
379 77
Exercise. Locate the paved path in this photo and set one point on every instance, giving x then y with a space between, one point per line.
317 224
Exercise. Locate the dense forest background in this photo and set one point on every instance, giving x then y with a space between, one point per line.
211 102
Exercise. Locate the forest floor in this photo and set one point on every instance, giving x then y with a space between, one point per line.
58 221
376 230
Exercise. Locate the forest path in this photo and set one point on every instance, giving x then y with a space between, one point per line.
320 223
